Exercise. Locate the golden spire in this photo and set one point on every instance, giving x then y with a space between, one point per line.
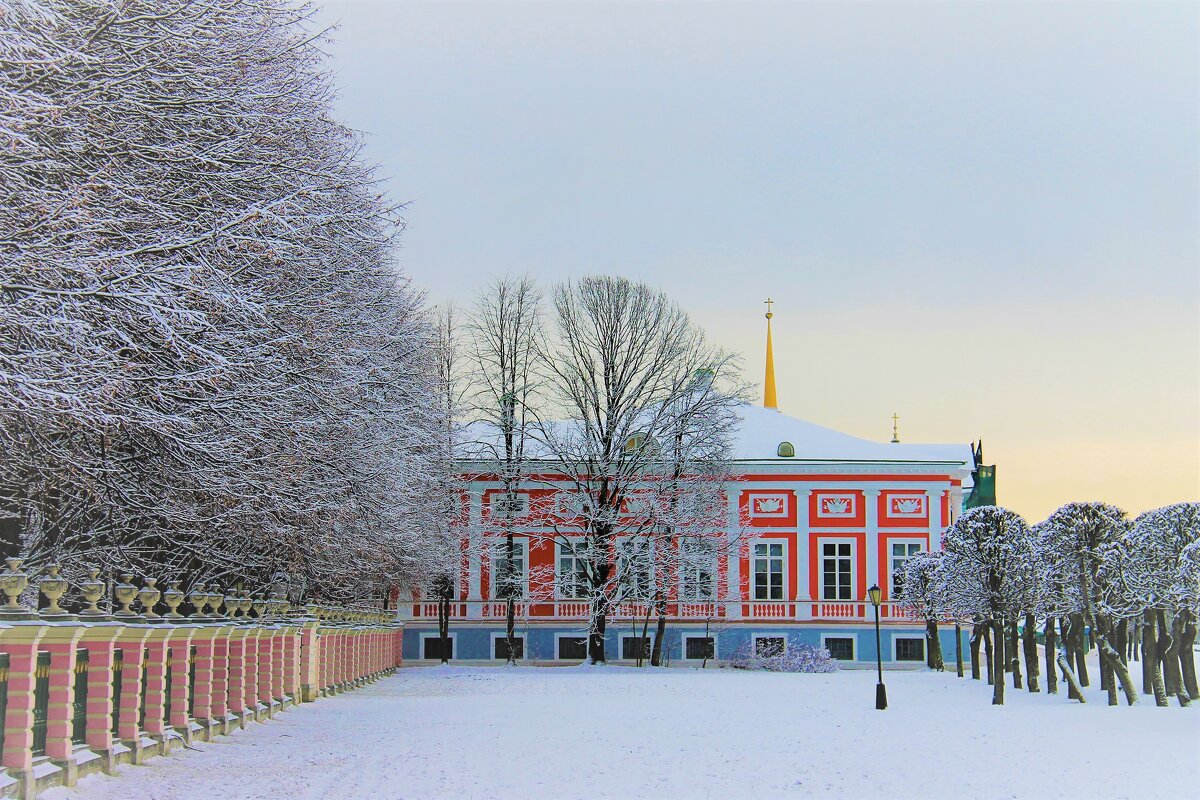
895 428
769 384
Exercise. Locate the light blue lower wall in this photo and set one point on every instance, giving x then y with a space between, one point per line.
474 643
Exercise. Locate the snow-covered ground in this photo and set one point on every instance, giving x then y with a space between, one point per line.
614 732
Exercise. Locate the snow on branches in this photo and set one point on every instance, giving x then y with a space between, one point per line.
209 366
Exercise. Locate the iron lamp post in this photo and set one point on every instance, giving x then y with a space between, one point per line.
876 596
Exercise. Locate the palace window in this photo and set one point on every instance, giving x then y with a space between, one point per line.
572 648
697 569
697 648
901 552
631 645
635 568
768 571
836 571
431 647
910 649
500 647
509 578
769 646
840 647
571 580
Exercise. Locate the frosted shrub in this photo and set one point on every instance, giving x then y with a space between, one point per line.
796 658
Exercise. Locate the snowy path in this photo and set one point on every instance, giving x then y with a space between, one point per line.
624 733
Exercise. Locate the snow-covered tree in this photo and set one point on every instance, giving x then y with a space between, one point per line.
1151 580
1077 542
989 573
210 367
920 593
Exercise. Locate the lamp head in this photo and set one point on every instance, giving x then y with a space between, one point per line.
876 595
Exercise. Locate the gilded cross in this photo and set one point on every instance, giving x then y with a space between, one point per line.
768 305
895 428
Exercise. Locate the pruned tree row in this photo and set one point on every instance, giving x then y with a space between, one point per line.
210 368
1086 577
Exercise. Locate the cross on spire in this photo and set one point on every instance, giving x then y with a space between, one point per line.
768 304
895 428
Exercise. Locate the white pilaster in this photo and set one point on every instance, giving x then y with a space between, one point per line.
872 500
934 500
474 552
803 529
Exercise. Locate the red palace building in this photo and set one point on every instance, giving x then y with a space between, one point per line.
814 518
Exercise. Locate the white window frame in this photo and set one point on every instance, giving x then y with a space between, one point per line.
699 635
687 566
854 643
562 551
754 637
753 564
891 561
650 575
499 545
568 635
499 636
453 637
917 636
821 542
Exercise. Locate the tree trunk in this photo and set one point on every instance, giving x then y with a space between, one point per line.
987 654
1078 650
1171 661
1118 670
998 638
1051 649
958 648
1187 655
600 607
645 630
1074 690
1030 648
660 634
707 627
444 627
510 602
1012 652
1149 628
975 642
1121 645
933 646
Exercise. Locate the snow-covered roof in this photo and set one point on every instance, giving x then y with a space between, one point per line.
763 429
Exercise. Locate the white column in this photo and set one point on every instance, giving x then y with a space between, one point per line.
474 554
872 501
733 549
934 499
803 529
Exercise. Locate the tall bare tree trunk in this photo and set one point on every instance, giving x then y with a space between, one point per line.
958 648
660 632
1074 690
1149 628
1029 645
998 638
1171 661
510 602
989 660
1013 652
1187 655
976 635
1051 648
1077 649
933 646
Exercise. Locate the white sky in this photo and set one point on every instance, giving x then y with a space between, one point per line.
982 216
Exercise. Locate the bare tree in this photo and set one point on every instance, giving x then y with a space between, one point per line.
504 335
623 357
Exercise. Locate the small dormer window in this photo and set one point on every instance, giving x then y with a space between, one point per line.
785 450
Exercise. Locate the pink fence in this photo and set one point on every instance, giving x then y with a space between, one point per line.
85 692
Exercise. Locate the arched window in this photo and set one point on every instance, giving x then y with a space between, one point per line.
785 450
